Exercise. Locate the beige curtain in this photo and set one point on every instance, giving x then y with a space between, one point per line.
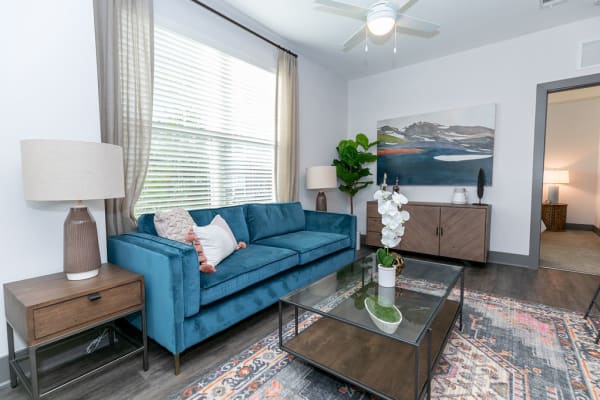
286 148
125 58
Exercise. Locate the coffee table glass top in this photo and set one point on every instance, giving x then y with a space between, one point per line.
405 312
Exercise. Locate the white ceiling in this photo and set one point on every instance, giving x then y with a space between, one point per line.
464 24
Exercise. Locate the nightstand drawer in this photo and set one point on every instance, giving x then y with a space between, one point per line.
72 313
374 225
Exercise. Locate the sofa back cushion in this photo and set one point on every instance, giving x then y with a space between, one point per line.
235 217
266 220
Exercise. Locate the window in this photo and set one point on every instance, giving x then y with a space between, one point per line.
213 128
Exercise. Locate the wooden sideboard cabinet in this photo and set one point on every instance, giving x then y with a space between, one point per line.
459 231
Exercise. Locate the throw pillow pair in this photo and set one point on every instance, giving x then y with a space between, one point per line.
213 242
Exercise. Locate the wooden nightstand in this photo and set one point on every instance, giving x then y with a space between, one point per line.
49 309
554 216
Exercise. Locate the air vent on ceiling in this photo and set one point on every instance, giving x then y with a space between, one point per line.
550 3
590 54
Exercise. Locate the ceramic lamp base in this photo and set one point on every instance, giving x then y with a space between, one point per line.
553 194
321 202
81 251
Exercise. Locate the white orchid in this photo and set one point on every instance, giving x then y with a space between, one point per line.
393 219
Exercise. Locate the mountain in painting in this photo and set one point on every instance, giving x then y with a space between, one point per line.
472 139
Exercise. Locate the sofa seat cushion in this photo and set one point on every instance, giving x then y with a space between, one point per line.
310 245
244 268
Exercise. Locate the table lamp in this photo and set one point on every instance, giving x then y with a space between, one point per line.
64 170
554 176
321 178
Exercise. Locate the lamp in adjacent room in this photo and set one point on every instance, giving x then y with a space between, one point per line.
65 170
553 177
321 178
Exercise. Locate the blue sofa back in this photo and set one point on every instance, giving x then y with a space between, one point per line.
249 222
266 220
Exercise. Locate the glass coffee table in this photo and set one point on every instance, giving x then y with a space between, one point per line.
384 340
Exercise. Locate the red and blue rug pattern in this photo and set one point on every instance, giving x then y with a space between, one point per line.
507 350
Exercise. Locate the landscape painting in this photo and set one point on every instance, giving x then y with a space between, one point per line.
442 148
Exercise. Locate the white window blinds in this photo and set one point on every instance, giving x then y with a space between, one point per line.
213 133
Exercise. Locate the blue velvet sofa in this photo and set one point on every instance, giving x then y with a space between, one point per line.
288 248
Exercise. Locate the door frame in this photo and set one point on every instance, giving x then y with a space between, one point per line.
539 148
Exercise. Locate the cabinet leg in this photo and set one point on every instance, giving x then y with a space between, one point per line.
11 355
35 388
177 362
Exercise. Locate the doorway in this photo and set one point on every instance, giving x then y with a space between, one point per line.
566 176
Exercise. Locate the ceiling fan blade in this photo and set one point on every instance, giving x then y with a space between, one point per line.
416 24
342 5
355 39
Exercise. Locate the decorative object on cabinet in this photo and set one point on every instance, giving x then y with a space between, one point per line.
388 207
351 165
441 229
553 177
423 150
554 216
66 170
480 184
460 196
50 312
321 178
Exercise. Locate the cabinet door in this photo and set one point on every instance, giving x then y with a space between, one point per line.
421 230
463 233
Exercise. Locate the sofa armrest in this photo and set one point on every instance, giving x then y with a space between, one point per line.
171 279
320 221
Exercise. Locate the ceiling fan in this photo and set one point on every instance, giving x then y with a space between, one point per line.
380 18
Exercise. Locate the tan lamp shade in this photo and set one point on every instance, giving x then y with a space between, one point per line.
321 177
64 170
60 170
556 176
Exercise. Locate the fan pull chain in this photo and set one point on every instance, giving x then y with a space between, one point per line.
366 39
395 37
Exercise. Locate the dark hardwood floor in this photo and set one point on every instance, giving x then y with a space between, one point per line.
127 380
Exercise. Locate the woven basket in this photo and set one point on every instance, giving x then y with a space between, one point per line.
554 216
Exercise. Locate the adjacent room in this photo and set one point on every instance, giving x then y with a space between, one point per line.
300 199
571 163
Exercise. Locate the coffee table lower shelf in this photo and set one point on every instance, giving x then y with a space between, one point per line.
376 363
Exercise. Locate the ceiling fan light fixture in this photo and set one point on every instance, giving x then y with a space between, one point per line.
381 20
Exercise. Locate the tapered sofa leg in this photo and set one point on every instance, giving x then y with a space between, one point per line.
177 362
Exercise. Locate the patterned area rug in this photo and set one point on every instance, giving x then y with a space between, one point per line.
507 350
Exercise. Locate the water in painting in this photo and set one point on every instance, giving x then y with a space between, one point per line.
441 148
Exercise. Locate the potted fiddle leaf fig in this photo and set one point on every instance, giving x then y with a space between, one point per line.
351 165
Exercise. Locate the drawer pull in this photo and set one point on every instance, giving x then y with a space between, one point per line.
94 296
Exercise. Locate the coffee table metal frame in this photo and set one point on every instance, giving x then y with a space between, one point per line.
425 334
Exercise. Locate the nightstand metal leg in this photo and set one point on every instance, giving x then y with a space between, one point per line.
35 387
145 340
11 355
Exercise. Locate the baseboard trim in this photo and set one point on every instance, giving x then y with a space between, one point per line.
579 227
4 376
596 230
517 260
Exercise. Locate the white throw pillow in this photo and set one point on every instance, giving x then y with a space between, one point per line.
216 243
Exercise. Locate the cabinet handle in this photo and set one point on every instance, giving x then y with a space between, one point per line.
441 231
94 296
437 230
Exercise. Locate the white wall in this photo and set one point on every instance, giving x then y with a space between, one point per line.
48 89
505 73
572 140
323 94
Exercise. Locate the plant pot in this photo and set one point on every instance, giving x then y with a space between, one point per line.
387 319
386 296
386 276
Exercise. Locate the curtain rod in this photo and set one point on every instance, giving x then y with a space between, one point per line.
244 27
